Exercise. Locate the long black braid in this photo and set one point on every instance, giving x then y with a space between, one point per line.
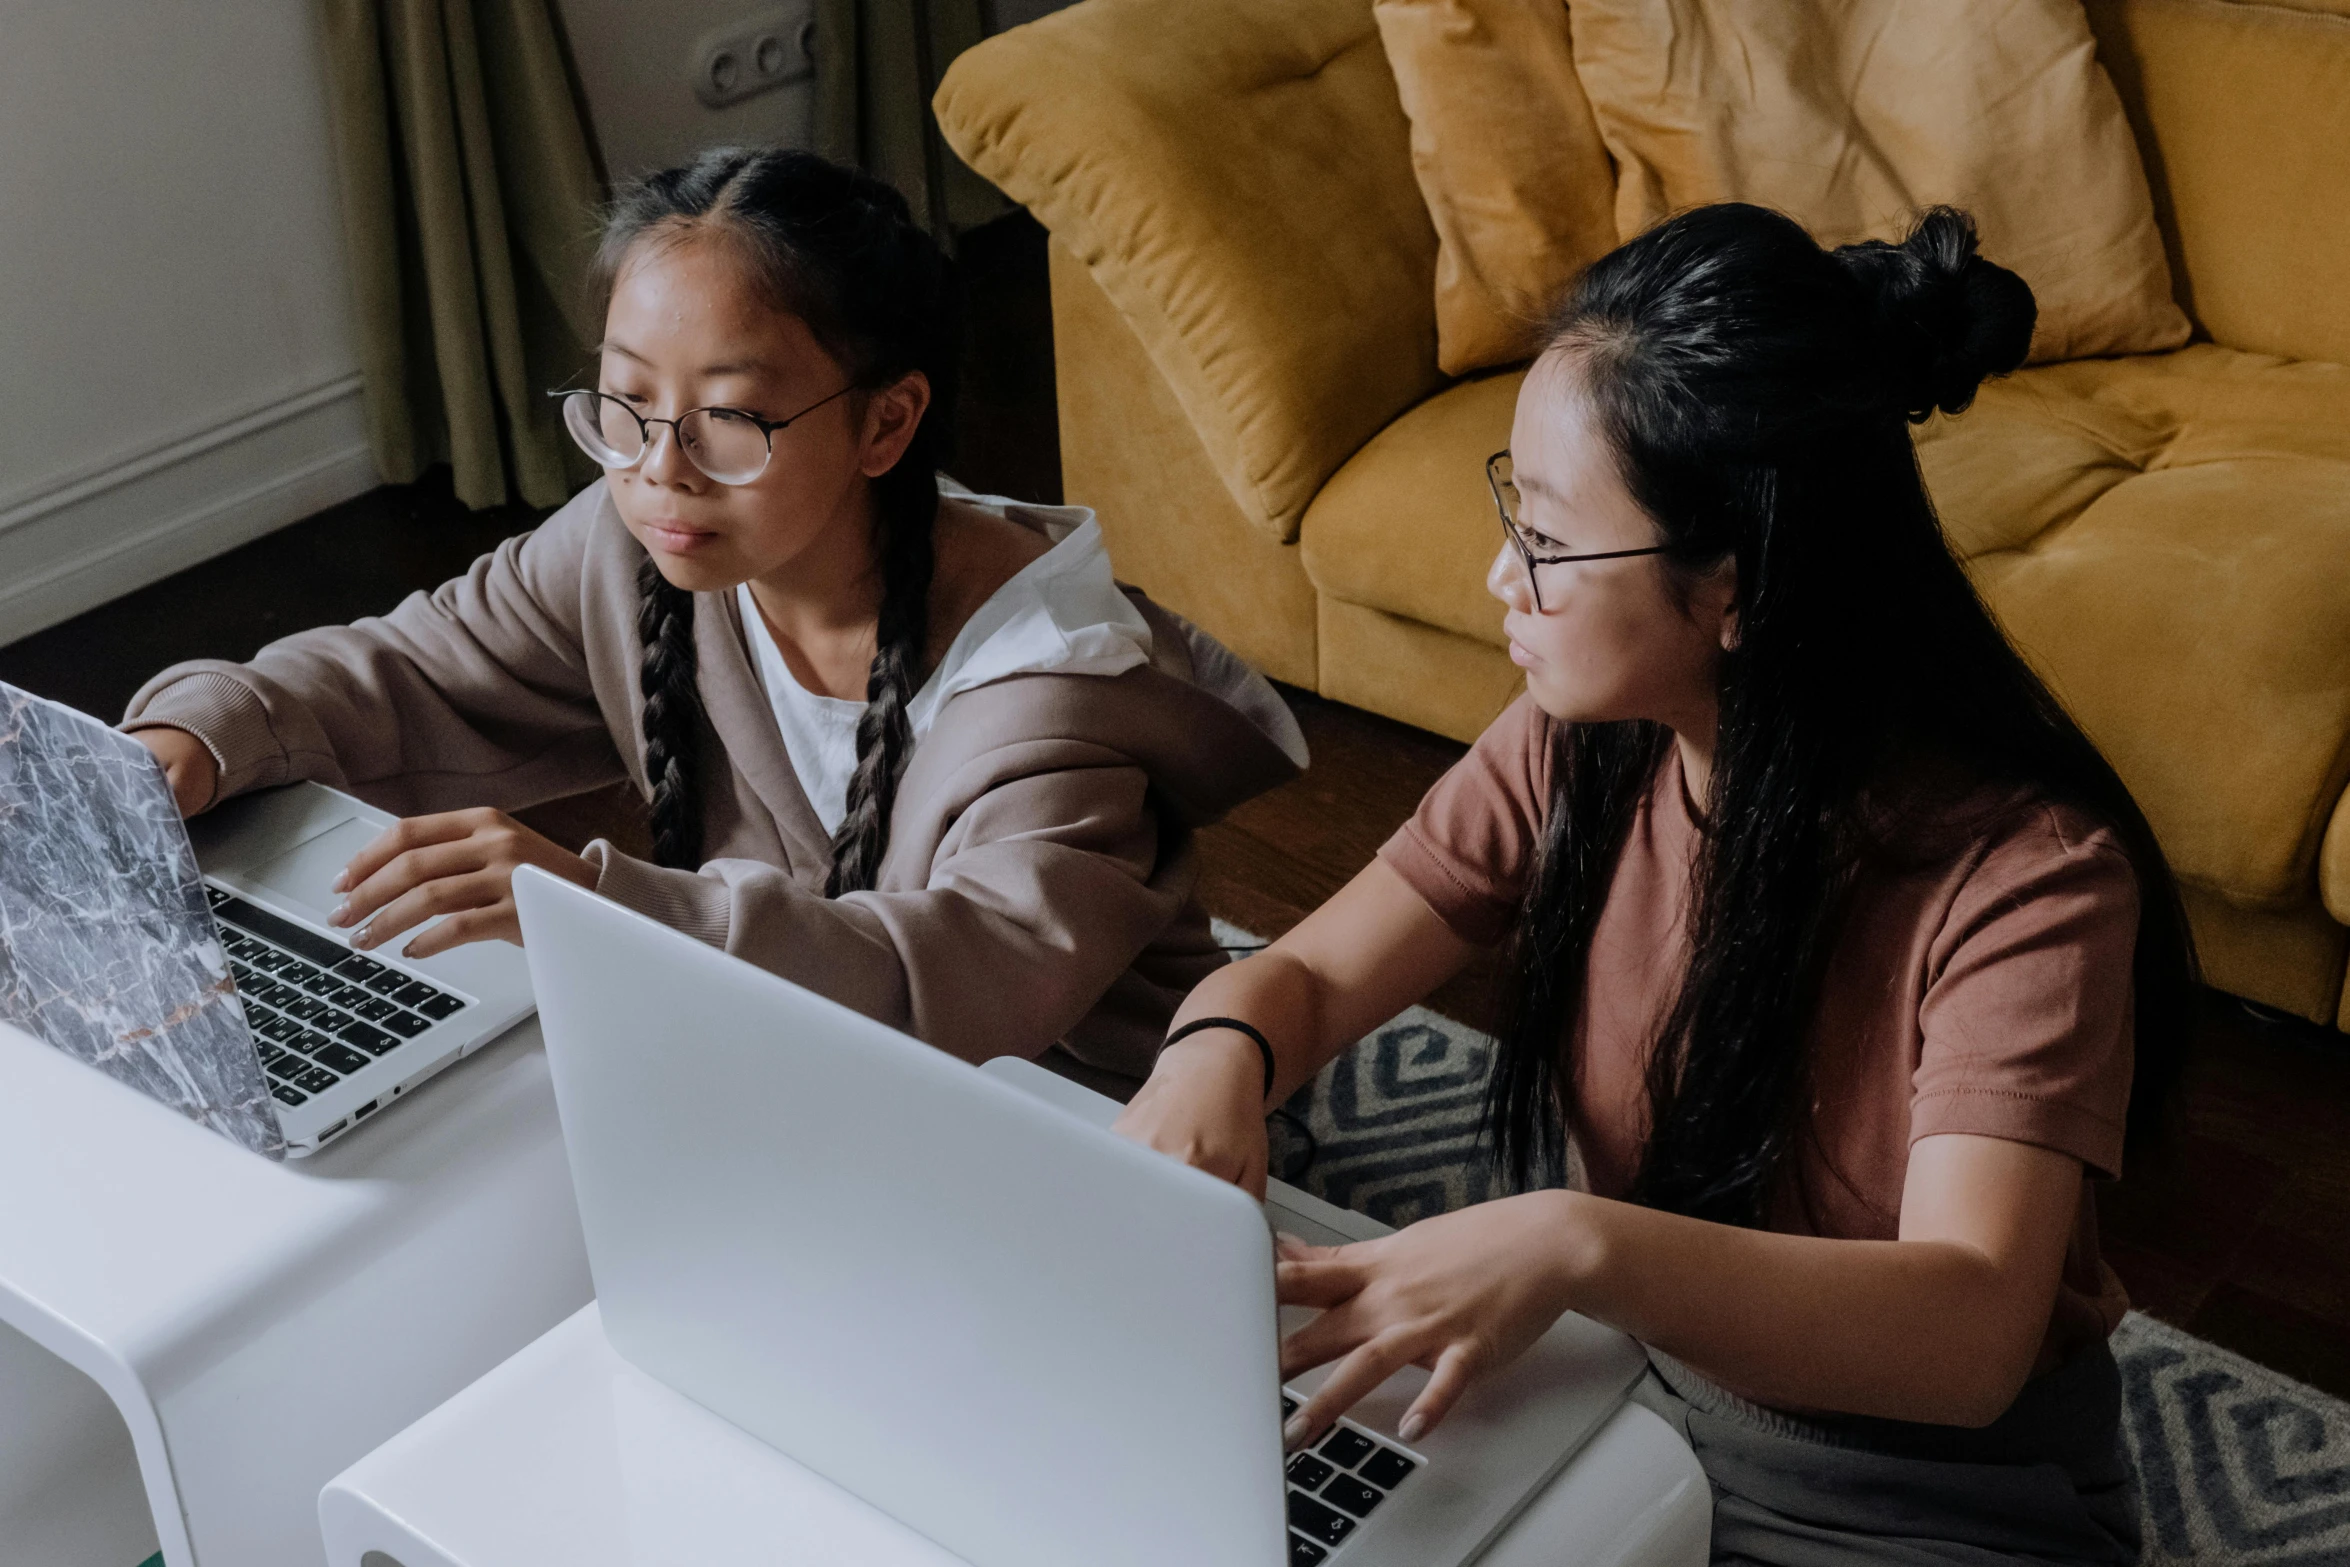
841 251
665 625
905 510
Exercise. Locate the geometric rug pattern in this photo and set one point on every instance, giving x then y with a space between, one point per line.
1391 1128
2236 1464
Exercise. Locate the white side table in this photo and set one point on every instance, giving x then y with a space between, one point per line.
259 1326
569 1454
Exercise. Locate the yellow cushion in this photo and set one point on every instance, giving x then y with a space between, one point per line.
2165 537
2244 114
1129 453
1408 526
1237 176
1509 160
1850 116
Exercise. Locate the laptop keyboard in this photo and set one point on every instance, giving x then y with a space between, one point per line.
1334 1485
318 1010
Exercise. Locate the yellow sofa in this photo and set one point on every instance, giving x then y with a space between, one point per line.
1243 312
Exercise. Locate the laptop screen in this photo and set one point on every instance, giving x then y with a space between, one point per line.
107 947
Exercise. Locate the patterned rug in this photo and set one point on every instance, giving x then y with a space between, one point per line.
2236 1464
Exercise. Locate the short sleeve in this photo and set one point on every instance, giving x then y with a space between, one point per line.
2026 1021
1473 843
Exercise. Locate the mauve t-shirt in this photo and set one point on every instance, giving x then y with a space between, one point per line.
1986 990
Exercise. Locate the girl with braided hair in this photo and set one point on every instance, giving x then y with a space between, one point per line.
909 746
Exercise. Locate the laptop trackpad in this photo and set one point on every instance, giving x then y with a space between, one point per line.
305 874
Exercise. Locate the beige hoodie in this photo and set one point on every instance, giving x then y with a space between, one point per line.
1038 888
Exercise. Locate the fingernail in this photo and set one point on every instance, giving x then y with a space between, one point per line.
363 937
341 883
341 914
1413 1424
1294 1432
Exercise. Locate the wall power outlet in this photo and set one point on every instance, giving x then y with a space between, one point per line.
761 52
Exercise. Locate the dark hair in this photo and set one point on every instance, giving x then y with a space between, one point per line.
1757 390
840 250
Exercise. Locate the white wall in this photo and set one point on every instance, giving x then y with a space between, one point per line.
635 62
174 310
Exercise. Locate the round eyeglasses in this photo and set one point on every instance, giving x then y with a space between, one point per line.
1501 478
724 444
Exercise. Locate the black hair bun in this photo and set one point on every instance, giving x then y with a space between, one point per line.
1945 320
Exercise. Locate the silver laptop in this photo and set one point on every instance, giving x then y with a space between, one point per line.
972 1305
194 961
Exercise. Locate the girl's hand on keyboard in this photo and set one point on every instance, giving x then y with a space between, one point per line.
187 766
458 865
1461 1294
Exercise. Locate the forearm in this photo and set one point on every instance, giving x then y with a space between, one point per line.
1348 967
1283 999
396 743
959 965
475 694
1927 1330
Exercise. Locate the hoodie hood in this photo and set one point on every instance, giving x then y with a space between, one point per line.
1063 653
1062 613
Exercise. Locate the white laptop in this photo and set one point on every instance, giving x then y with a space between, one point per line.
194 961
957 1295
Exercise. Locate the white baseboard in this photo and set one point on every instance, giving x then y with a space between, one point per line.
96 536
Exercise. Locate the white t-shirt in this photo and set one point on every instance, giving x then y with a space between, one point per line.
1063 611
819 732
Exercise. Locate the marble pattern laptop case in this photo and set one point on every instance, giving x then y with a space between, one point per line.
107 947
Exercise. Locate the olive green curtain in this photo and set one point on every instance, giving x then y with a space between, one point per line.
470 193
877 64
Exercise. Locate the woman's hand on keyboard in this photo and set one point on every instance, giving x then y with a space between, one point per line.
1461 1294
459 866
188 766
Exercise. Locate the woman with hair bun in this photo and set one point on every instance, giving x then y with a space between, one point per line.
911 747
1842 965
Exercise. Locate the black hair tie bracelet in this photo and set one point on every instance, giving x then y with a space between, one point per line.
1202 1024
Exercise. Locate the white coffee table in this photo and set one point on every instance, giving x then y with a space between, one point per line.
255 1327
568 1454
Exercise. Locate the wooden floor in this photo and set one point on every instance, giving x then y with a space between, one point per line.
2242 1236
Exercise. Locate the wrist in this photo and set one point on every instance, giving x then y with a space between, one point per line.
188 760
207 764
1246 1030
1227 1052
1574 1248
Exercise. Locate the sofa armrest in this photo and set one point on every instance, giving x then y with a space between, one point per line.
1236 175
